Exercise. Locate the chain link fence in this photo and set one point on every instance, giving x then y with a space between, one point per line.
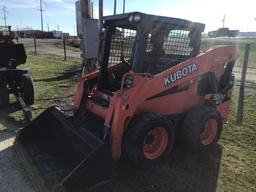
250 82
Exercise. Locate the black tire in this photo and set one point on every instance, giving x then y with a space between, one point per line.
3 82
194 126
4 93
27 89
137 132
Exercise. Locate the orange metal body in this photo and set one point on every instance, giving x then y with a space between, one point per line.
142 96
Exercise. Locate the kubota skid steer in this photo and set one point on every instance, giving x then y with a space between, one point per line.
153 86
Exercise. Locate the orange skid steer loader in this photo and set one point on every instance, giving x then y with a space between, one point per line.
153 85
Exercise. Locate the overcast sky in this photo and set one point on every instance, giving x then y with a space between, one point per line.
240 14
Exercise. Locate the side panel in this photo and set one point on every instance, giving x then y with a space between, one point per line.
178 101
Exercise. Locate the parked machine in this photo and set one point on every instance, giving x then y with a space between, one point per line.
223 32
153 86
5 31
15 80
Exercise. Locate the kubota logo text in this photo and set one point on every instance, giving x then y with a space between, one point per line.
180 74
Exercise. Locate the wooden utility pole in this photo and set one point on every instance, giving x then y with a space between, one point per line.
85 9
114 7
86 12
100 13
123 6
223 21
4 11
41 13
92 14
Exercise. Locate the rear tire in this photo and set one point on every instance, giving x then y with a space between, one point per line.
149 138
27 89
202 128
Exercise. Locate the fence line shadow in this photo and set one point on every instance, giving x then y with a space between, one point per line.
55 98
63 76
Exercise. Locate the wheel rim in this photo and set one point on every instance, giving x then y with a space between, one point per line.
155 143
209 131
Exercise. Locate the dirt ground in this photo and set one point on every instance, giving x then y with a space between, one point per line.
13 177
12 174
47 46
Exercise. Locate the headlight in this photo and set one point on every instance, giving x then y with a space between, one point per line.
130 18
137 17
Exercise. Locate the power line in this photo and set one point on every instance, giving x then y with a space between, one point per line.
41 10
4 11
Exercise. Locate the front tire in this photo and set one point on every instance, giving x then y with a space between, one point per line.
149 138
202 128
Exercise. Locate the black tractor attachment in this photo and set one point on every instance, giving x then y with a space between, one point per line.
15 80
62 157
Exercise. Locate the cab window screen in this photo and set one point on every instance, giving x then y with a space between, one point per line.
177 43
122 45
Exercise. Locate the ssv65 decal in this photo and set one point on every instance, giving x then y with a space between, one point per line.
180 74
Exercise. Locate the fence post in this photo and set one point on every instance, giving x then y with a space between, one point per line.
64 47
35 45
240 108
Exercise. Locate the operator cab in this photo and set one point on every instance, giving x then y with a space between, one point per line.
144 43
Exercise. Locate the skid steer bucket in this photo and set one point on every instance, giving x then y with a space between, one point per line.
61 157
